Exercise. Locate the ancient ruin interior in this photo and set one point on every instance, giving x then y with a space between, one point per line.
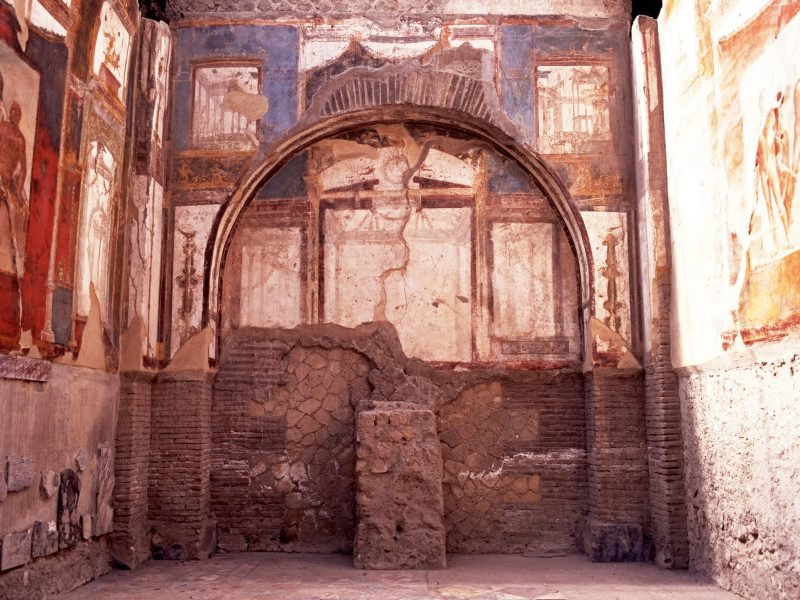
400 280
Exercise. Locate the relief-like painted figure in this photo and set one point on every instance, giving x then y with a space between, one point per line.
13 202
772 146
95 228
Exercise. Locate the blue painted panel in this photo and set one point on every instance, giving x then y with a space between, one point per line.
288 182
277 47
62 315
516 76
507 176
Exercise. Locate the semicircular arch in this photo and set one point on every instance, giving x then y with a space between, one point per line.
279 153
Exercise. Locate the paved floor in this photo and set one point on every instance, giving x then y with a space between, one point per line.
331 577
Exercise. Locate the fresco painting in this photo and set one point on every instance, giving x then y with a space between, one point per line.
764 223
95 228
19 87
391 212
145 258
609 239
112 52
192 227
271 284
573 108
226 107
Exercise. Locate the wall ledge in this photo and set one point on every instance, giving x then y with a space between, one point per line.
786 349
24 368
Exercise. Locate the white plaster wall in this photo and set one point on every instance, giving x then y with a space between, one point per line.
694 175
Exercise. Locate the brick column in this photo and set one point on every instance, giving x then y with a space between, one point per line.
130 545
180 464
662 404
617 466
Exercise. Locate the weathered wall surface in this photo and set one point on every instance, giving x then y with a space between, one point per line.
731 94
561 84
391 9
515 465
431 231
283 443
64 82
56 442
742 450
436 234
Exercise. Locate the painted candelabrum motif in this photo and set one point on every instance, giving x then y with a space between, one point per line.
187 281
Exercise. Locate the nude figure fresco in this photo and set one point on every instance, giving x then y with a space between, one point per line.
19 84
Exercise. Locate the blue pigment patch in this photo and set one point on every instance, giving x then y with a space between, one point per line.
276 47
288 182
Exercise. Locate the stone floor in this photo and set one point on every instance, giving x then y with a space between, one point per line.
332 577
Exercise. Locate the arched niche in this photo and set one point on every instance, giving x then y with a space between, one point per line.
481 133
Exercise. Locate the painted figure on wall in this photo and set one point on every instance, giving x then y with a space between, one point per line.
19 85
13 202
776 165
764 229
94 246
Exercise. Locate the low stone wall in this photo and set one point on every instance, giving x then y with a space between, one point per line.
400 507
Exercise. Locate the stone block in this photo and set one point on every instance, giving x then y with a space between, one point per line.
44 538
82 459
20 473
50 482
69 527
399 503
104 478
614 542
16 550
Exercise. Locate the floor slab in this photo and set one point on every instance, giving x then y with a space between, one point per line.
332 577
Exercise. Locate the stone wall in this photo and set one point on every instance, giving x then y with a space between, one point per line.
56 474
741 424
285 402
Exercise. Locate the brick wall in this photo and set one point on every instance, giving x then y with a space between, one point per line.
283 444
615 430
180 463
513 443
129 543
665 444
515 464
